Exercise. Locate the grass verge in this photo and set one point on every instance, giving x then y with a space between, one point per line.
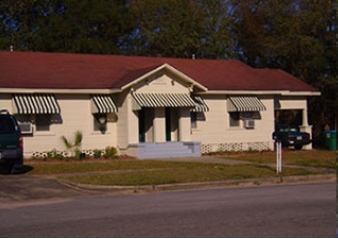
203 173
127 172
309 158
101 166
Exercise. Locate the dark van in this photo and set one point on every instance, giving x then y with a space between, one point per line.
11 142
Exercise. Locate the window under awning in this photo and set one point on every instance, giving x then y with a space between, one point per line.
36 104
153 100
103 104
245 104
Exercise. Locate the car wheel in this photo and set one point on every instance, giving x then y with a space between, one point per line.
298 147
8 168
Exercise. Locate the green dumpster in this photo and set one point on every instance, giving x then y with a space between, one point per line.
331 139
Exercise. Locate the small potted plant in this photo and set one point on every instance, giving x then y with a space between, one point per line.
97 153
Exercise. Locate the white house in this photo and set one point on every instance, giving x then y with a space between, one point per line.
147 107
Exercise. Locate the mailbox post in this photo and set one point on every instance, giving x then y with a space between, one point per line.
278 140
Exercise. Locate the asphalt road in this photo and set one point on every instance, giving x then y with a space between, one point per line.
303 210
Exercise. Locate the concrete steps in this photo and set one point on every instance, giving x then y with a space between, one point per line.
167 150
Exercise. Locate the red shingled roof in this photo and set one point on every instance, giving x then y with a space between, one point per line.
82 71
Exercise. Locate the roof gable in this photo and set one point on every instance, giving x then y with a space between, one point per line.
142 74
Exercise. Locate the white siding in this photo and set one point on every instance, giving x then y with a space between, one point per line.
122 123
75 115
6 102
216 130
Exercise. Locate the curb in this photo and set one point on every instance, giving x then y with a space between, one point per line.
228 183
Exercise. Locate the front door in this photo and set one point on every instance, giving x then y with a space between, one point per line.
141 125
168 124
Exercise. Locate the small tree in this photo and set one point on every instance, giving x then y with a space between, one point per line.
73 147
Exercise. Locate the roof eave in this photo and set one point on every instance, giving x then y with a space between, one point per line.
58 91
261 92
301 93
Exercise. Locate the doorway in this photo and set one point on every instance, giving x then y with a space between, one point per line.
168 124
141 124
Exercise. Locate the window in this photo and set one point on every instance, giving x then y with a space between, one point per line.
100 122
42 122
7 125
251 115
193 120
196 116
234 119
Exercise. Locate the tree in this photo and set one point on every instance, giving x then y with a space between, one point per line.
166 27
297 36
180 28
217 22
86 26
19 22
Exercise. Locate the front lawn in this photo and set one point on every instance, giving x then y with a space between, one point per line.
309 158
201 173
131 172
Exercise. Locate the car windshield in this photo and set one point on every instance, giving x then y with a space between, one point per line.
6 125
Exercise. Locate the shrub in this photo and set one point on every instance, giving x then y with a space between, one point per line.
54 155
110 152
97 153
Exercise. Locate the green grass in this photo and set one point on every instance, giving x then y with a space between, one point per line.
154 172
310 158
100 166
203 173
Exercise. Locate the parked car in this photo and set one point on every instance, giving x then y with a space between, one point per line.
290 136
11 142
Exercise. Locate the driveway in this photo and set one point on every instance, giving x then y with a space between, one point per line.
22 189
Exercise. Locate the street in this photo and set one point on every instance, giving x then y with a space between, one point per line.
302 210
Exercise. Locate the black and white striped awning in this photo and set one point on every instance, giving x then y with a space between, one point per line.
162 100
103 104
244 104
200 105
36 104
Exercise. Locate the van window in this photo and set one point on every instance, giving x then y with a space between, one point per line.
6 126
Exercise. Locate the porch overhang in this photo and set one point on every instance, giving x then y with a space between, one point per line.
174 100
153 100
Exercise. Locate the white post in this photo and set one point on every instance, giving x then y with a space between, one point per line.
184 125
279 156
304 117
159 125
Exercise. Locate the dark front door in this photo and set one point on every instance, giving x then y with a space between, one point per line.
168 124
141 125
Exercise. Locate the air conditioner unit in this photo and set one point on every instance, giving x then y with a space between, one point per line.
249 124
26 128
